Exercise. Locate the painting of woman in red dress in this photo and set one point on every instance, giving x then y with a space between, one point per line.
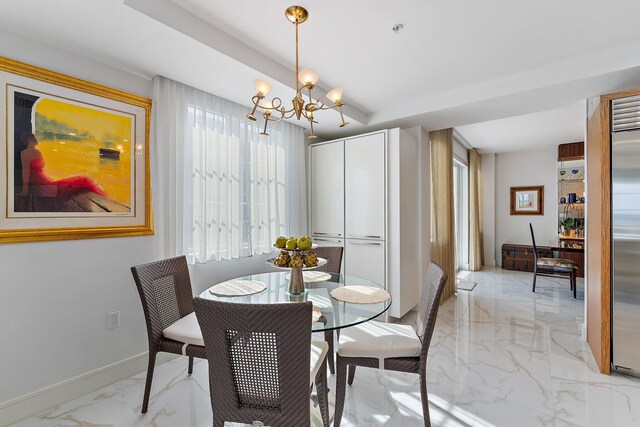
34 175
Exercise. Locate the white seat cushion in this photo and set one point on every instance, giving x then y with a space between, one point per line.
379 340
186 330
319 351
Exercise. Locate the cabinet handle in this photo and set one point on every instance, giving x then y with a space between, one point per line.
366 243
366 236
327 240
327 234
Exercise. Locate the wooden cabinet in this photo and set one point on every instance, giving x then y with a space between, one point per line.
327 189
520 257
571 151
365 187
366 259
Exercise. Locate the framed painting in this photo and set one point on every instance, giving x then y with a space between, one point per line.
76 158
527 200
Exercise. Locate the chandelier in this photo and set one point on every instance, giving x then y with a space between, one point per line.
274 111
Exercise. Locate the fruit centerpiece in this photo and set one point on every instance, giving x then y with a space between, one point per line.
296 254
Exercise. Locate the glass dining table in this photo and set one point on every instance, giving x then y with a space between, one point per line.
335 314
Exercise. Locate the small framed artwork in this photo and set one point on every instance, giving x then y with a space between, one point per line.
76 158
527 200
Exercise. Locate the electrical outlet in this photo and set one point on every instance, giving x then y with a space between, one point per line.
113 319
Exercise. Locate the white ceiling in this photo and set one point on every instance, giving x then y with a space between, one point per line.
528 131
456 62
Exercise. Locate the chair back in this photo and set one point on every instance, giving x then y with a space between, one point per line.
259 357
165 292
333 255
429 303
533 240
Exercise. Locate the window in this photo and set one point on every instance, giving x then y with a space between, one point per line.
461 211
239 186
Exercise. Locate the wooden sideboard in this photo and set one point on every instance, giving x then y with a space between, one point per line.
520 257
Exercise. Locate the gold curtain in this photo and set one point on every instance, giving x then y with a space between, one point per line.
442 216
476 256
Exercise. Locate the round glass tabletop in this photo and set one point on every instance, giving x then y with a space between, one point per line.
335 314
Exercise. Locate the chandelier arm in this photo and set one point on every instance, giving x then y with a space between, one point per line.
331 107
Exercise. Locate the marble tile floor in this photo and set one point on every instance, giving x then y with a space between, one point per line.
500 356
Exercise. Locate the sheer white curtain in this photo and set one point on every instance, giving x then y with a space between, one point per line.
227 191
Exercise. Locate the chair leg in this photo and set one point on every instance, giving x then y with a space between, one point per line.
574 281
352 374
323 390
341 390
425 400
147 386
328 337
535 273
190 370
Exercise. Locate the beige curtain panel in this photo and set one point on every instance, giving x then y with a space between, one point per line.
442 222
476 256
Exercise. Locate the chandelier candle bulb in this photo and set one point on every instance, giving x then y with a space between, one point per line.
308 77
274 110
335 95
262 87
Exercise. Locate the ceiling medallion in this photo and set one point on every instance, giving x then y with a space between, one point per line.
274 111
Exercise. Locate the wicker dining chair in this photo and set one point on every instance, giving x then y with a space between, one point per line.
165 292
262 363
553 267
392 346
333 255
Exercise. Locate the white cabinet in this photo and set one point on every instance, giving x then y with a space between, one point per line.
365 184
366 259
365 195
327 189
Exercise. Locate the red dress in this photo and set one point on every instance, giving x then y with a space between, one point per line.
63 187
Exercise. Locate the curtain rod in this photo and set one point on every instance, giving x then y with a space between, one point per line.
462 140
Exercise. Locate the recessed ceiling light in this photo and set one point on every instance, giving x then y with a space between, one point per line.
397 28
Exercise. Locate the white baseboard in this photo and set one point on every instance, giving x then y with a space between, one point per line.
490 262
33 403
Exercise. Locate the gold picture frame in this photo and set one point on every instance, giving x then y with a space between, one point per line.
527 200
76 158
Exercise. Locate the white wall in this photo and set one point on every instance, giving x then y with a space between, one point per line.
56 295
488 202
525 168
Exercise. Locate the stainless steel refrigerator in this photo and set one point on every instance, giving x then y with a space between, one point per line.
625 207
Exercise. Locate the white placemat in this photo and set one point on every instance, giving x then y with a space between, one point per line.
360 294
237 288
312 276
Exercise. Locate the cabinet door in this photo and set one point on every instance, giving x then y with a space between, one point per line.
327 189
365 187
366 259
